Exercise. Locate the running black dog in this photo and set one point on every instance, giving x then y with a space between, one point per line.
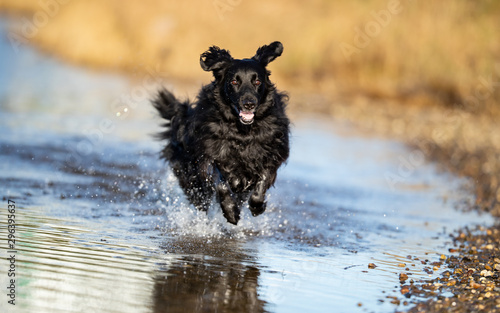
231 141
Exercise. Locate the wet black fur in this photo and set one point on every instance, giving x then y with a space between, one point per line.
212 149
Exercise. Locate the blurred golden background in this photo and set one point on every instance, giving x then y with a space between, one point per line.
410 69
425 52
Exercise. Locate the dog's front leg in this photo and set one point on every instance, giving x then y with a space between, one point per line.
257 202
229 207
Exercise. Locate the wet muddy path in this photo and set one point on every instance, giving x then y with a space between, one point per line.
101 225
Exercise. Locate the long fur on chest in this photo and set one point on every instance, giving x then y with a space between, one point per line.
213 137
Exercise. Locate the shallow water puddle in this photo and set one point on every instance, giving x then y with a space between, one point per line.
101 224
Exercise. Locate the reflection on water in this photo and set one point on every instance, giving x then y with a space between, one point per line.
103 227
210 277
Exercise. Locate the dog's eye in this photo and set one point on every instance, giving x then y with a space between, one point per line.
234 82
257 82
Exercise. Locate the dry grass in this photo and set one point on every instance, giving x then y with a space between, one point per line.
430 52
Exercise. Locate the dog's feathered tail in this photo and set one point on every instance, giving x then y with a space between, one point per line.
175 114
168 106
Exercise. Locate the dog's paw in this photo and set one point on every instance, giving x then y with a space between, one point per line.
232 216
256 207
233 219
230 211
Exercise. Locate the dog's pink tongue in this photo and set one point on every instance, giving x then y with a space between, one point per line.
247 116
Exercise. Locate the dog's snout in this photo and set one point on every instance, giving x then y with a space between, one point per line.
249 103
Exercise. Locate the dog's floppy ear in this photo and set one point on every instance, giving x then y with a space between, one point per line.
266 54
215 59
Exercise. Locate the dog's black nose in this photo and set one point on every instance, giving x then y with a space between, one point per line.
249 104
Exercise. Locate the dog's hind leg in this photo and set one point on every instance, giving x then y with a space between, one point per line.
198 192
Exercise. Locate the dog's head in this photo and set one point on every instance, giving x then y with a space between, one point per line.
244 84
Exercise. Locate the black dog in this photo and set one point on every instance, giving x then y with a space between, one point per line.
233 139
